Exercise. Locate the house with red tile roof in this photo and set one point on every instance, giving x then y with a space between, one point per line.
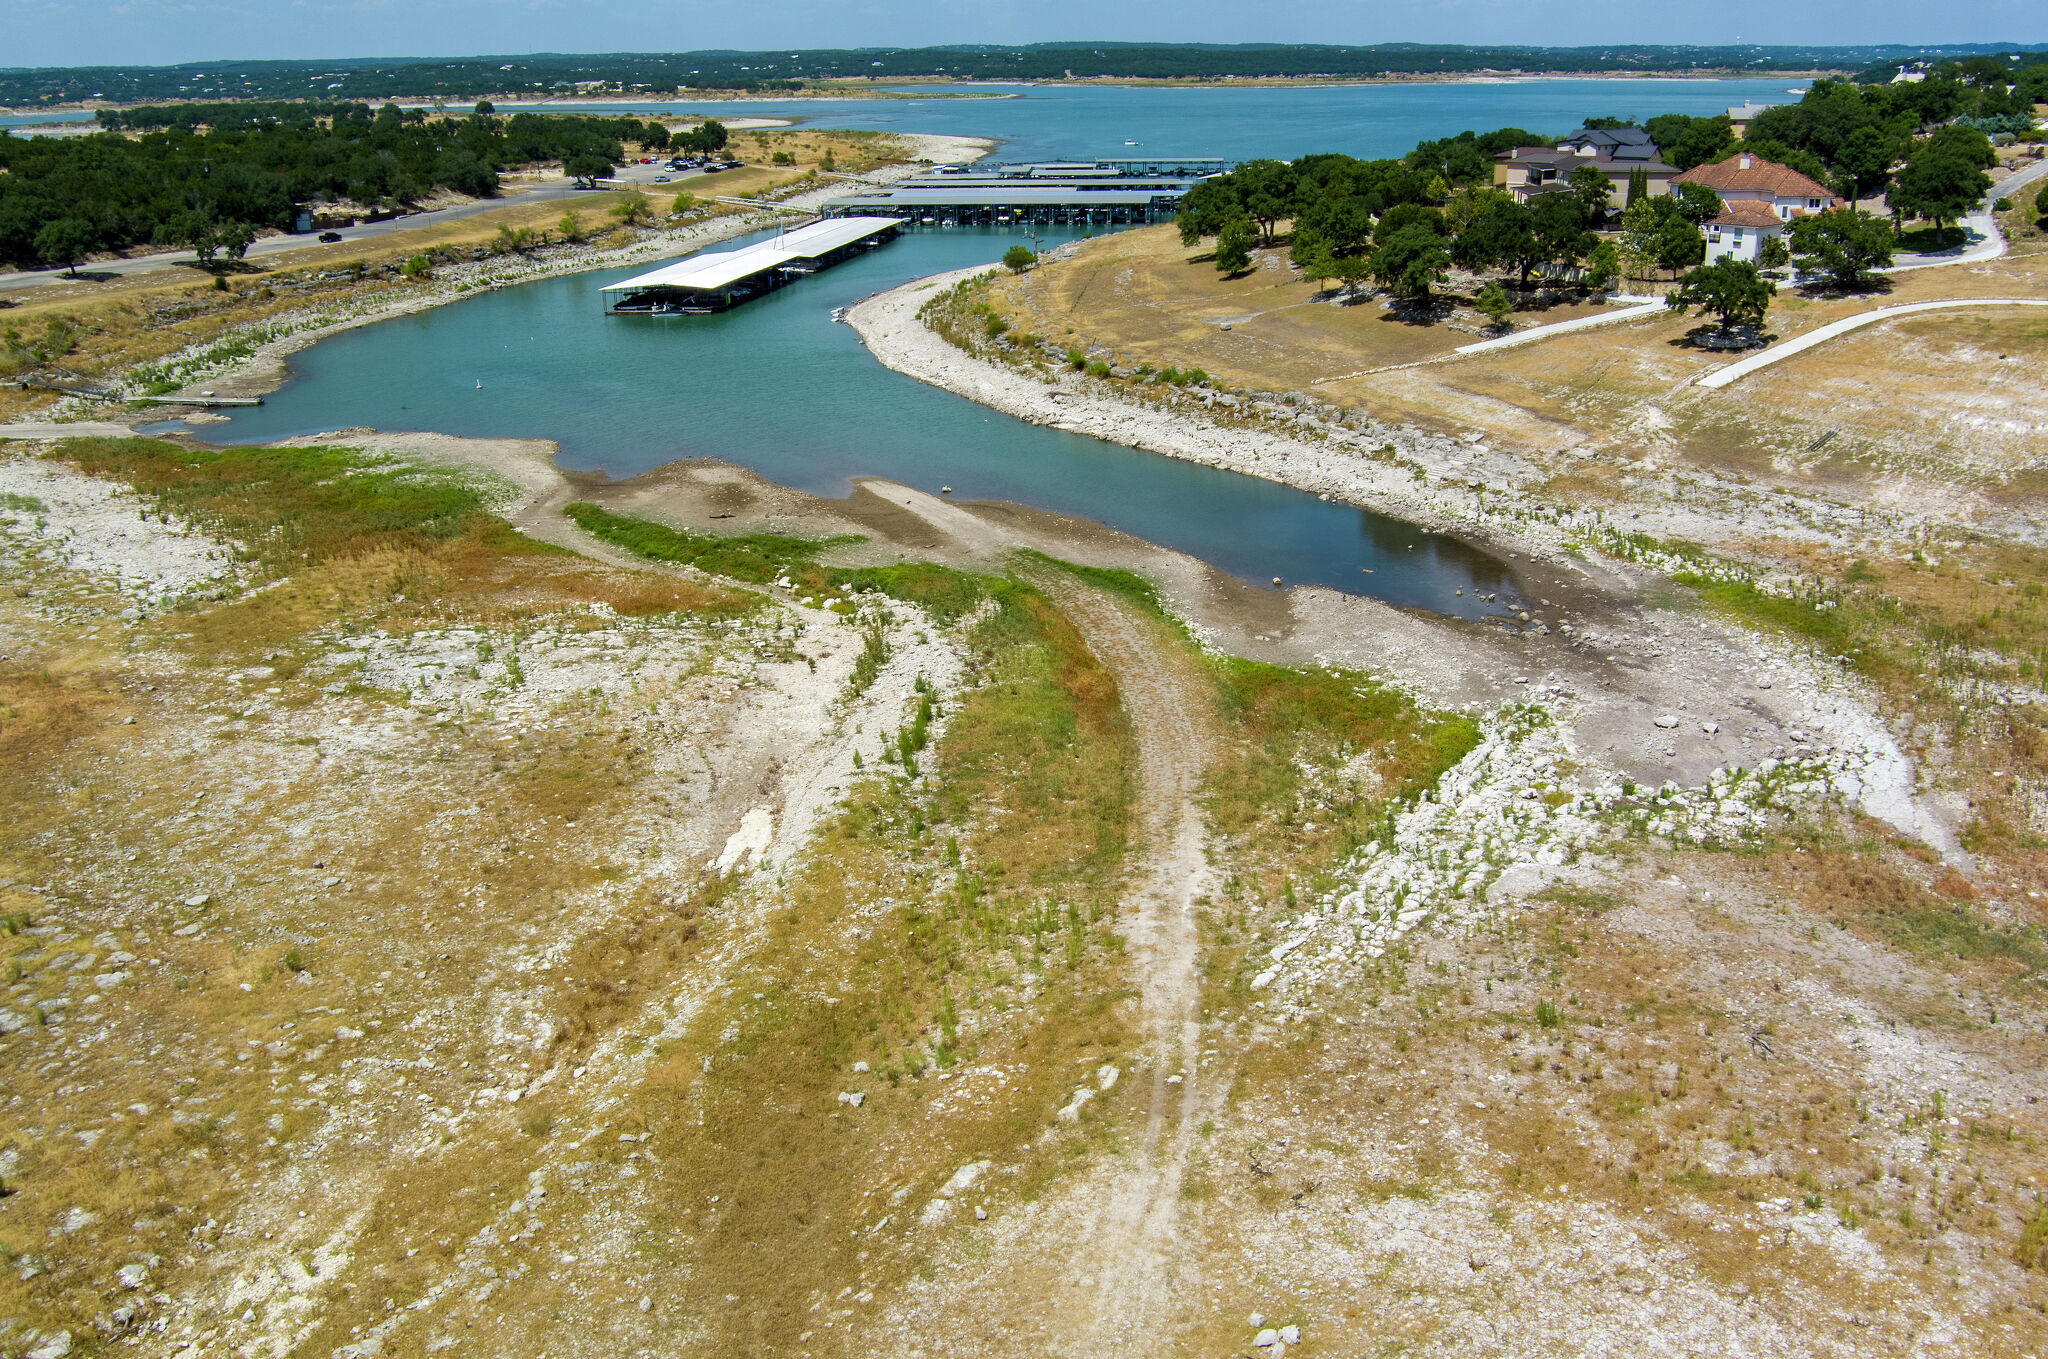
1759 198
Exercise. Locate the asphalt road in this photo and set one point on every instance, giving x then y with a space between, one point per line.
103 270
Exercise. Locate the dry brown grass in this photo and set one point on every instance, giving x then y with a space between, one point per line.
1145 297
1687 1080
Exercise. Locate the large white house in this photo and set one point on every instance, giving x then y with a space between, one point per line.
1759 198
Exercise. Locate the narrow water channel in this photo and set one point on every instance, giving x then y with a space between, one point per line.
778 387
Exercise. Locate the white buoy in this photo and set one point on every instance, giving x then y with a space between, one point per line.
1276 580
945 490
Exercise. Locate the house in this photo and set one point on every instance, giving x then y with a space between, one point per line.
1527 170
1747 178
1612 143
1743 114
1741 230
1758 198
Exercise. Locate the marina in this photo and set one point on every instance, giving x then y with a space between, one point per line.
1109 192
713 280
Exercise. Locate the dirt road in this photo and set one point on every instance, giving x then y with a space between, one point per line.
1095 1267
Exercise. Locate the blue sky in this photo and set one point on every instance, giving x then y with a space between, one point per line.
154 32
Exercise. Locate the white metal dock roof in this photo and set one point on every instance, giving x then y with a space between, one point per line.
711 270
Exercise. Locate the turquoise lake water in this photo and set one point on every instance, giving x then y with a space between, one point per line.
1071 122
778 387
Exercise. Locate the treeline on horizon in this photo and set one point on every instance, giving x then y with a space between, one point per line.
782 70
184 174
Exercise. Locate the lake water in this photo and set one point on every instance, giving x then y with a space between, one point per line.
1075 122
778 387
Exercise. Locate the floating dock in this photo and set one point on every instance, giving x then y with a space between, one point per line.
1104 192
714 280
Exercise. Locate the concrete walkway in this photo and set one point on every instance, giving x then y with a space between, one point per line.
1635 313
1742 368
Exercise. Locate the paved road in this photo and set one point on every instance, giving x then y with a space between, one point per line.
548 192
1742 368
1983 240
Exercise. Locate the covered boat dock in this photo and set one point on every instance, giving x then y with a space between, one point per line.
1105 192
714 280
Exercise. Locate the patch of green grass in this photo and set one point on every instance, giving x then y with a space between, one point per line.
1289 718
26 504
294 507
946 594
1837 629
1938 930
754 557
1699 1180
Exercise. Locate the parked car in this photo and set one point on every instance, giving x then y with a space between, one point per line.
329 237
661 179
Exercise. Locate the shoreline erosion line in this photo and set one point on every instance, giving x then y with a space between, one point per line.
1354 471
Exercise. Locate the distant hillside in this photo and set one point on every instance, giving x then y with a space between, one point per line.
781 70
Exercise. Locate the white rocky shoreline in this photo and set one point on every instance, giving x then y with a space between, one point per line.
1456 485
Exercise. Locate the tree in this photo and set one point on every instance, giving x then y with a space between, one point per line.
1499 234
1234 247
1603 266
234 238
1697 203
1353 270
1843 243
1207 208
1731 289
465 172
1866 157
586 168
1965 144
1594 191
1937 185
417 267
1311 254
632 208
1773 253
1641 222
681 204
1560 227
1638 186
1268 189
570 228
1410 262
1679 245
1493 303
64 241
1686 141
709 135
485 106
2041 203
1018 258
